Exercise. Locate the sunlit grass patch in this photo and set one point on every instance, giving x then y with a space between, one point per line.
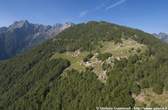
76 59
126 48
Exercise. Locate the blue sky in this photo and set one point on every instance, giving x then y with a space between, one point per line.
148 15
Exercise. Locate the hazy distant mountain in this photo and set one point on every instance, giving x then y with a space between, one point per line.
162 36
22 35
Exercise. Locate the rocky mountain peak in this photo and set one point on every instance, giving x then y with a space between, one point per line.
23 35
163 36
19 24
67 25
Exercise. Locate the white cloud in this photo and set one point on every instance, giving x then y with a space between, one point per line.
115 4
83 13
104 5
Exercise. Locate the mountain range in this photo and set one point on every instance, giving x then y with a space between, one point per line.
22 35
163 36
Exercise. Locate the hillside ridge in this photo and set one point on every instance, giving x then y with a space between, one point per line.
86 66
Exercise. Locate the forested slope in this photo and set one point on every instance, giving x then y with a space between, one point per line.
42 79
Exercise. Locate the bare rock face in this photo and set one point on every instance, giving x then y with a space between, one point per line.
22 35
